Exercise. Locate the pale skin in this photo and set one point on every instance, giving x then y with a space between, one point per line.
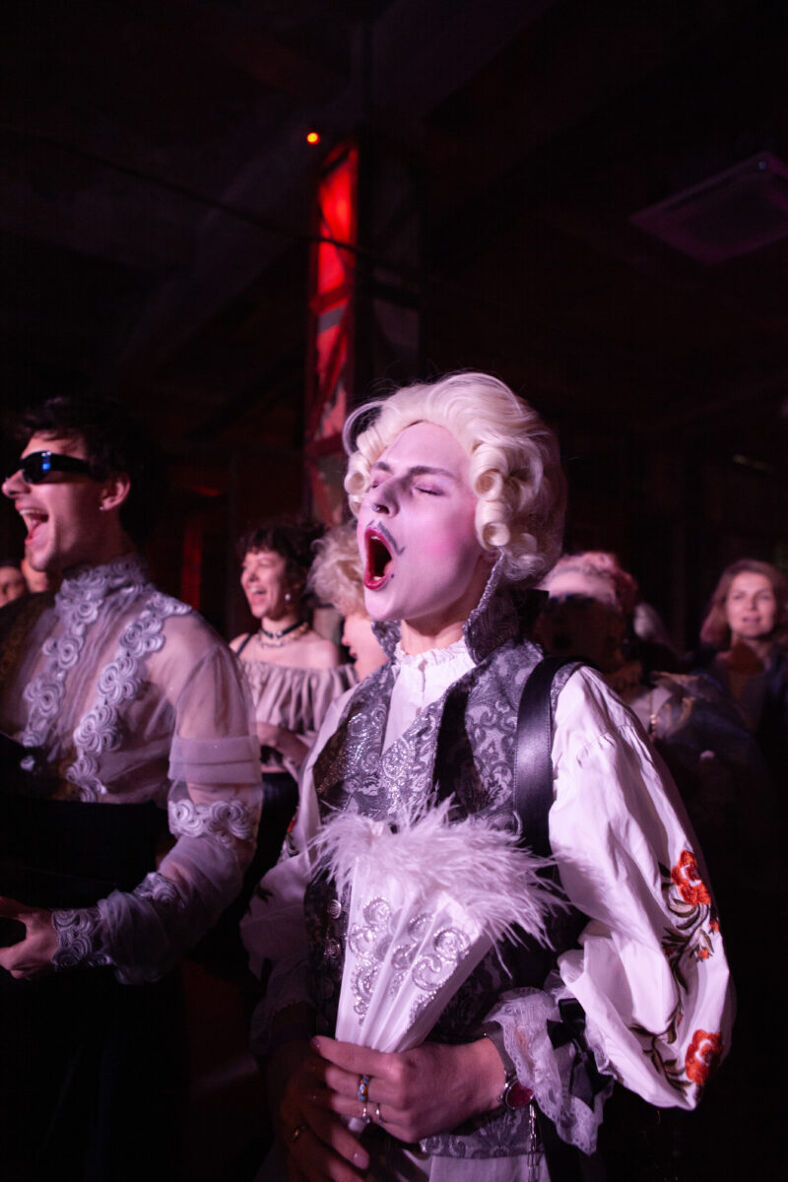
71 519
751 608
421 496
275 600
12 584
361 642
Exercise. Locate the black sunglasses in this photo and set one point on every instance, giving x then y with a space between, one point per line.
36 467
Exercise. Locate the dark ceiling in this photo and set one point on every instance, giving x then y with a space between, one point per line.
156 188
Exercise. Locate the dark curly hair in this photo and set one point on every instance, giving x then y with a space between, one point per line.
294 541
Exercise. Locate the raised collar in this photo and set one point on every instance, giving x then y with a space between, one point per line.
504 612
91 583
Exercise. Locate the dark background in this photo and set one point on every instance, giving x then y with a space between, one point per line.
156 192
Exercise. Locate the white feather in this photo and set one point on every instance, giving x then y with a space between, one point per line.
493 879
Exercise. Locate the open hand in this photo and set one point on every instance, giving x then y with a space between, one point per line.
32 955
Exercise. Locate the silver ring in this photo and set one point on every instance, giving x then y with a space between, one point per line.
379 1115
296 1133
364 1115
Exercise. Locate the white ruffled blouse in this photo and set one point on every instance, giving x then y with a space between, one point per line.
650 959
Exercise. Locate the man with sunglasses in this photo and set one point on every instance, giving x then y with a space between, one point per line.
117 703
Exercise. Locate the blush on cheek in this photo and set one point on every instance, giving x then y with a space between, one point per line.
455 549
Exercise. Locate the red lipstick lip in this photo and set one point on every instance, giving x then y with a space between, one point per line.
373 537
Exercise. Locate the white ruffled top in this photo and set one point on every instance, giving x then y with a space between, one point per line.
627 859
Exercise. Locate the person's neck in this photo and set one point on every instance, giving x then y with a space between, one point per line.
748 655
104 552
415 639
277 627
441 630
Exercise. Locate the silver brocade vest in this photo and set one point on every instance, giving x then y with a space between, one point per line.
462 744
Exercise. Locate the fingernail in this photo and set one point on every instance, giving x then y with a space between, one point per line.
360 1159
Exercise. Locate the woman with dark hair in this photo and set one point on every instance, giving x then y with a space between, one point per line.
745 639
293 673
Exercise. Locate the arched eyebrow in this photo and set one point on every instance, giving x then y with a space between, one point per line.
416 470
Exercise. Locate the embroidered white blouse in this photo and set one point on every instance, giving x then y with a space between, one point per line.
132 697
651 972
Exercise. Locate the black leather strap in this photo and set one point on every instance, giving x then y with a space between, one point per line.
533 798
533 765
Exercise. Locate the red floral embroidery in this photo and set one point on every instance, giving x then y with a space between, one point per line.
688 900
703 1055
687 878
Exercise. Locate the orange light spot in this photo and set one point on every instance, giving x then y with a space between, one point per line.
313 137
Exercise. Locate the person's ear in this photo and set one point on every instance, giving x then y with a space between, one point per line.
114 491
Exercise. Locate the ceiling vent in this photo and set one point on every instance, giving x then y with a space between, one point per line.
730 214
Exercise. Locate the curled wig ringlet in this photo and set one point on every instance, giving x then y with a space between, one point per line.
515 469
336 575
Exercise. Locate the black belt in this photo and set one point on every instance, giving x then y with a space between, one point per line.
60 853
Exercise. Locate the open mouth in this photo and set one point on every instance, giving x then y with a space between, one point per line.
379 560
32 518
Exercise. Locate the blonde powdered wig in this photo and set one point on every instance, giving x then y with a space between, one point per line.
336 576
515 468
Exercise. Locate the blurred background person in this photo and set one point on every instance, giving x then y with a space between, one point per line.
336 579
293 673
12 581
38 580
717 766
744 640
721 775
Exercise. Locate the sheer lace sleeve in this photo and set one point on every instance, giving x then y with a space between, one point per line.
650 974
212 792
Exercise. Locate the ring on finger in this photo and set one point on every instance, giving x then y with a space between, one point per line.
379 1115
362 1092
364 1115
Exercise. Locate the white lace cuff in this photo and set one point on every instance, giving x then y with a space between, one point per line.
546 1069
227 821
79 940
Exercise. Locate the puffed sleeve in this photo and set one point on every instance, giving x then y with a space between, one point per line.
213 796
650 972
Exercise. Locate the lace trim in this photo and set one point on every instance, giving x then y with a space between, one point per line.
77 602
46 692
77 937
547 1069
119 681
226 820
433 656
158 889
